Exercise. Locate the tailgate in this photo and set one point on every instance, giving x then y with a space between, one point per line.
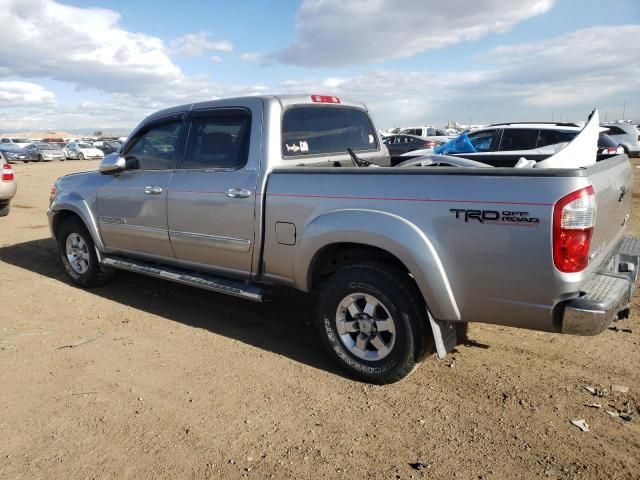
612 182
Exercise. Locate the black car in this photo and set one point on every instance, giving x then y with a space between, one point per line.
399 144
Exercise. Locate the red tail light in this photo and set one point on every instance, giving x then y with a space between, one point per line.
324 99
7 173
573 220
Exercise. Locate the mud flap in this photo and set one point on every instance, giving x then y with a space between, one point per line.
444 336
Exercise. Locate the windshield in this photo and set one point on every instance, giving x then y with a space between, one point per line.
20 140
324 130
84 145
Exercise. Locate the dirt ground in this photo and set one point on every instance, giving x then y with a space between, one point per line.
183 383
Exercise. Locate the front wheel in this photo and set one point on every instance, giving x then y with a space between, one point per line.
372 319
40 158
78 255
80 156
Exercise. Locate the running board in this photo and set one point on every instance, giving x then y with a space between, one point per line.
237 288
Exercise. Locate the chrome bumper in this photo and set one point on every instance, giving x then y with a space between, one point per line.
607 293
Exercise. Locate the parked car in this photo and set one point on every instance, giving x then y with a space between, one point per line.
238 195
427 132
19 142
399 144
44 152
107 146
8 185
626 135
13 153
502 145
82 151
56 140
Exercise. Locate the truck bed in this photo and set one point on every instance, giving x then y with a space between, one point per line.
495 271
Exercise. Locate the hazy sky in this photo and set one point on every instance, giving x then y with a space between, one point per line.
100 64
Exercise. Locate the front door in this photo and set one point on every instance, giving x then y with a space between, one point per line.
132 205
212 196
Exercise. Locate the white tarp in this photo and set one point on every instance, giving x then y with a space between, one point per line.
581 151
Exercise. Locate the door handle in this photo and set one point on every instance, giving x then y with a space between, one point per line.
238 193
152 190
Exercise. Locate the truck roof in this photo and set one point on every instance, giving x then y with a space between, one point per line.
285 100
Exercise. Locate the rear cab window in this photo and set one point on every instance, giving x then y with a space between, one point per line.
324 130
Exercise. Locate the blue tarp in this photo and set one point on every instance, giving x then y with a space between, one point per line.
460 144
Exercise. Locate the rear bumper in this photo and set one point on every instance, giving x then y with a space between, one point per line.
607 293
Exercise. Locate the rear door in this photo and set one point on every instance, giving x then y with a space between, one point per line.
132 205
212 197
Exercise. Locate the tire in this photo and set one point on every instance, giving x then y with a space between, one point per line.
4 209
40 158
81 156
87 272
391 295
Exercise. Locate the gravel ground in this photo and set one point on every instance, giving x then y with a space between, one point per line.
183 383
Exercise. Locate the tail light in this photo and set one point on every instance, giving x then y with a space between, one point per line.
52 195
573 220
7 173
324 99
610 150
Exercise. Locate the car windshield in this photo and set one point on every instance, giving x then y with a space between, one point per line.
20 140
47 146
84 145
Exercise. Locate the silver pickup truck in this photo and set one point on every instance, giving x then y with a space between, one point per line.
240 195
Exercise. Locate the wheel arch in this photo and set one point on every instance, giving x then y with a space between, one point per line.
346 236
70 206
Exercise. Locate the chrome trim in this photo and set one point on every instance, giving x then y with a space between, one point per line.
215 241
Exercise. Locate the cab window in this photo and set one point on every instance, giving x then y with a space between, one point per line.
218 140
156 148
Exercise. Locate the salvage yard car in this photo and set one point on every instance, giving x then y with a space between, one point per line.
44 152
13 153
81 151
626 135
240 195
503 144
8 186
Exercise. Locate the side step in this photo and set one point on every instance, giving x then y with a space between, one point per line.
237 288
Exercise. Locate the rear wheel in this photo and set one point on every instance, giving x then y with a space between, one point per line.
40 158
4 209
80 156
78 255
372 319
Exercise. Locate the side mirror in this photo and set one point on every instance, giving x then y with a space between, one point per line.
112 163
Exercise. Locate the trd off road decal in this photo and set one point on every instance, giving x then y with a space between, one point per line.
495 217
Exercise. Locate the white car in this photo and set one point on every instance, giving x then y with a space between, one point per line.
8 185
81 151
430 133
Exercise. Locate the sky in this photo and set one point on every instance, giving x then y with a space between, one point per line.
97 64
